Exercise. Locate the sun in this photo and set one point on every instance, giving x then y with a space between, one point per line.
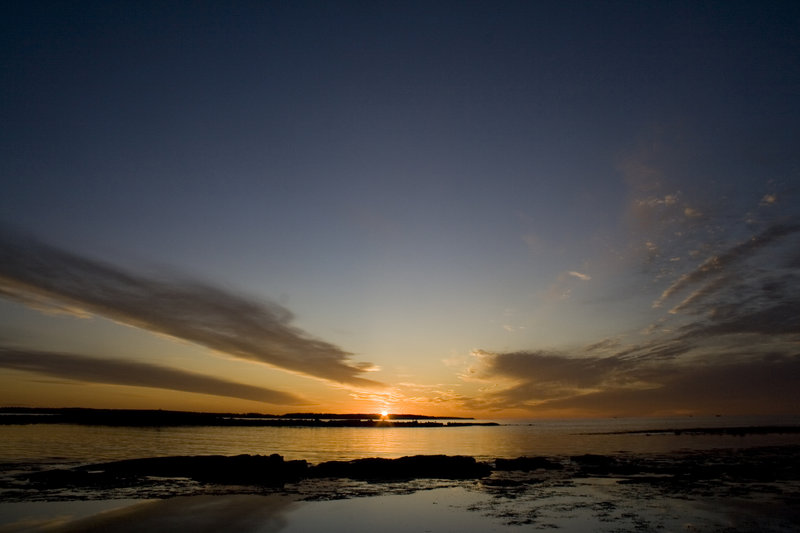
384 413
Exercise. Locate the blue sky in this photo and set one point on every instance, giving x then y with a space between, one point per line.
433 189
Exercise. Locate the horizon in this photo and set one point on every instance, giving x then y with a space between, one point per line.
298 413
533 210
401 416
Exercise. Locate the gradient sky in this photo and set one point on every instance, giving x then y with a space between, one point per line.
453 208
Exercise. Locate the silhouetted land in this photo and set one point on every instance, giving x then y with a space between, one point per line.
735 431
260 470
160 418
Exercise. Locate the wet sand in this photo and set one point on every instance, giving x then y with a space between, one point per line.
581 506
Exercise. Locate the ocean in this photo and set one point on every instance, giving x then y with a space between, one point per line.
573 499
73 444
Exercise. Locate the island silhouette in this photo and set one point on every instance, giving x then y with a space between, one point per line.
165 418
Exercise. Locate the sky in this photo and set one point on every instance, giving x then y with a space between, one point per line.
489 209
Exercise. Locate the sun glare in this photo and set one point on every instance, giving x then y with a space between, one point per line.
384 413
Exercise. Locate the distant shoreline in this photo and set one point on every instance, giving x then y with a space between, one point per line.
734 431
161 418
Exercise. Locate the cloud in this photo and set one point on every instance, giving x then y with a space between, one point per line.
768 200
535 378
427 394
656 201
583 277
557 383
36 273
703 292
561 288
717 264
783 318
130 373
763 384
731 345
602 345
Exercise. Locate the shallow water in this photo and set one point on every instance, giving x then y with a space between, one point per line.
70 444
586 505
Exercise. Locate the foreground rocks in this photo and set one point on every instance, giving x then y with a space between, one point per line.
260 470
236 470
404 468
679 470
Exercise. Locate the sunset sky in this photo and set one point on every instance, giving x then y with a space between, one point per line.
490 209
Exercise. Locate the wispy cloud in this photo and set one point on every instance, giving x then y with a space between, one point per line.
579 275
731 345
768 200
703 292
602 345
692 212
120 372
559 383
717 264
561 289
422 395
750 386
37 273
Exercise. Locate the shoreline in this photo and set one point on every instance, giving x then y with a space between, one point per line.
177 475
162 418
732 431
713 491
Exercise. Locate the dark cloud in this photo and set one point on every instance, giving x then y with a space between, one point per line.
708 289
793 260
120 372
724 383
542 376
32 271
730 346
717 264
759 385
761 302
601 346
656 350
779 319
700 370
547 376
556 369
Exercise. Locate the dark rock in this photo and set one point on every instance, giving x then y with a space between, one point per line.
414 467
72 478
505 483
603 465
259 470
240 469
527 464
590 459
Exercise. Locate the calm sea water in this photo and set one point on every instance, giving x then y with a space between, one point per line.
585 505
72 444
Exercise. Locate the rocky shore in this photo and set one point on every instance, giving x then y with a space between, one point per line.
726 490
676 472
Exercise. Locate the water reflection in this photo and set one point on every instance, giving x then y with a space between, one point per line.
55 444
199 514
596 505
